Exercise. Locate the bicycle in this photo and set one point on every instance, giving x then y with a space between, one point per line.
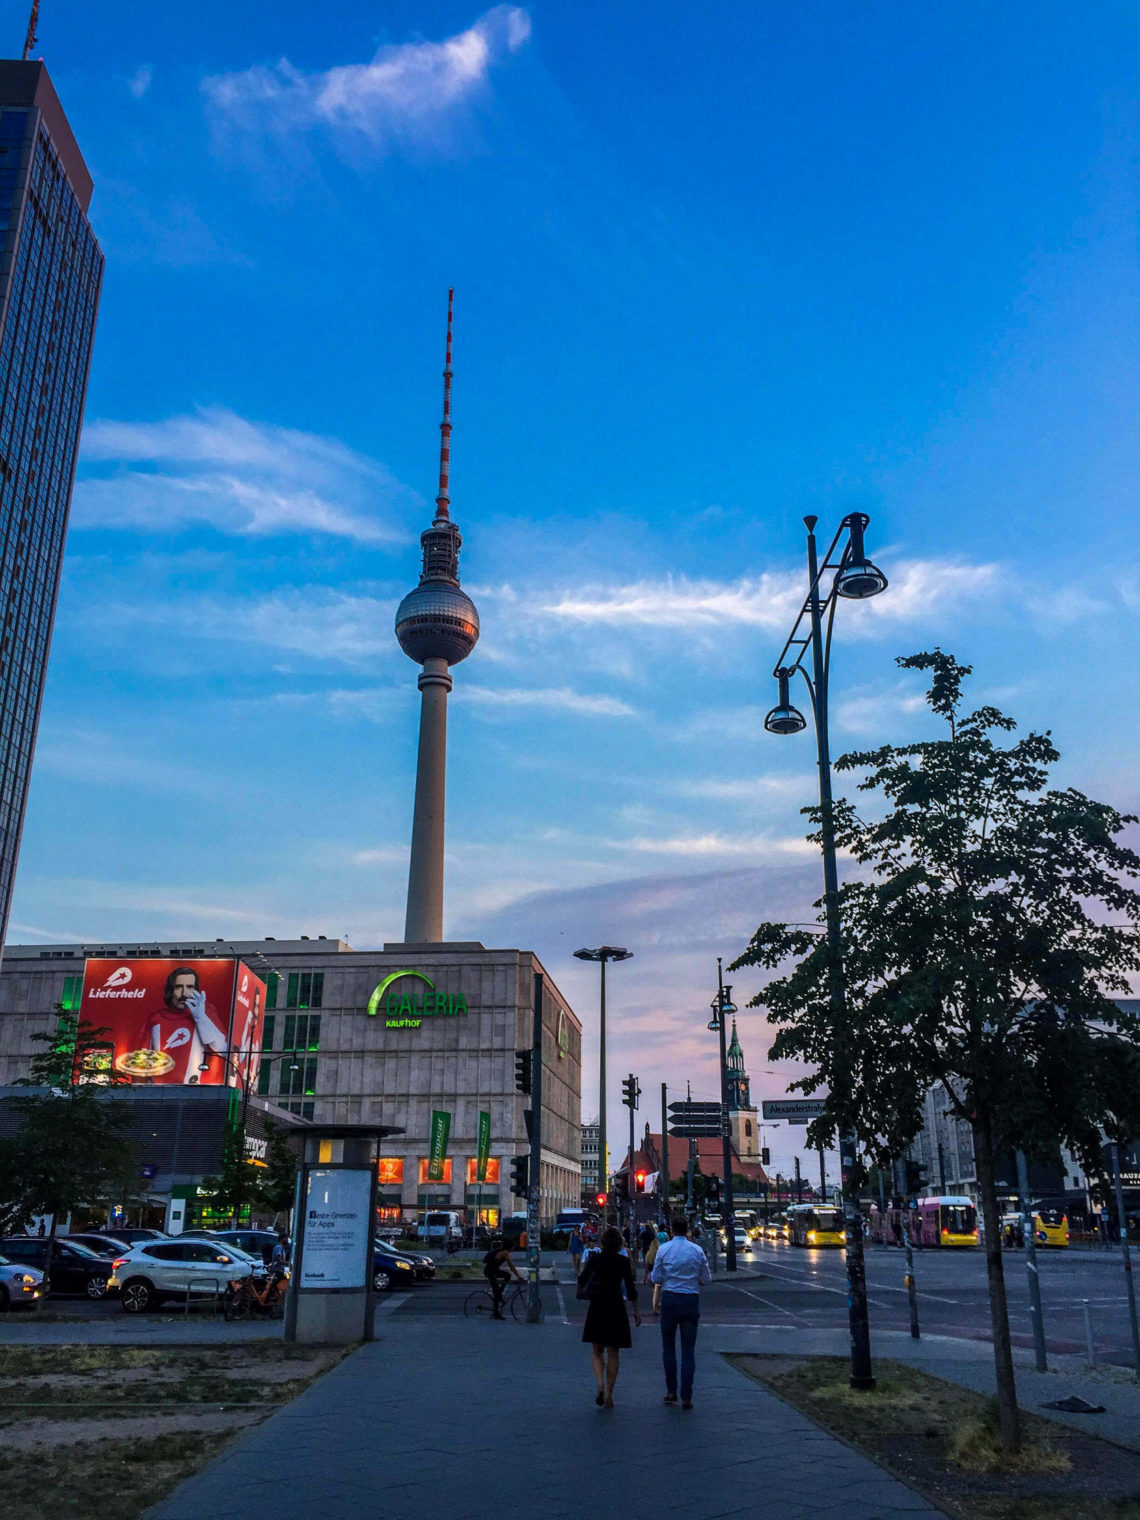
481 1303
243 1301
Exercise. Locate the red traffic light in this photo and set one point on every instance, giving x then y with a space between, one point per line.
600 1200
639 1179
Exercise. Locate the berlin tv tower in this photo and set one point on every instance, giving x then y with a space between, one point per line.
437 626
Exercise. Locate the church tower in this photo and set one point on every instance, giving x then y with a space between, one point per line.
741 1115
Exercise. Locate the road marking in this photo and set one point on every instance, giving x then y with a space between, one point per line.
822 1287
392 1302
779 1308
561 1301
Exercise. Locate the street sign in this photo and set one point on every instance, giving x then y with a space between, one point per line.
691 1109
795 1110
696 1131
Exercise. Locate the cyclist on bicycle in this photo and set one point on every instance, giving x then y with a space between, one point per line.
498 1268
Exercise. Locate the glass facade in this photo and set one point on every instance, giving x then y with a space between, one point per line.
51 269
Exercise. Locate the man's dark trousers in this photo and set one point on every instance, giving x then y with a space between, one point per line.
680 1311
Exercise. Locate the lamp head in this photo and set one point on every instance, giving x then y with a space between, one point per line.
784 718
858 578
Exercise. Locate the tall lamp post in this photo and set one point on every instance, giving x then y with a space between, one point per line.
603 954
722 1006
856 579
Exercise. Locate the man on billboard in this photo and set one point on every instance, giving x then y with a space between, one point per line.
183 1031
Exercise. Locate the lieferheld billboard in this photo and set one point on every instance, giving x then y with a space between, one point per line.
177 1021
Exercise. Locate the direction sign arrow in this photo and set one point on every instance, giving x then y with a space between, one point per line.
695 1131
795 1109
694 1109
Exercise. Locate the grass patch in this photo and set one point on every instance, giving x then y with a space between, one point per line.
133 1421
944 1441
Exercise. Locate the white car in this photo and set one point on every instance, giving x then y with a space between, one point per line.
159 1269
19 1284
742 1238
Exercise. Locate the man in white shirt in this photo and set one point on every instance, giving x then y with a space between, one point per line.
679 1272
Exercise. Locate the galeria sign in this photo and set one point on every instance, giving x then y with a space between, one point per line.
402 1011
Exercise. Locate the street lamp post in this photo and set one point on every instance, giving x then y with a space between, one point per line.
603 954
722 1007
856 579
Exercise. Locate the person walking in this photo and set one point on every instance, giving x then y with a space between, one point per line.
680 1270
656 1241
606 1275
576 1250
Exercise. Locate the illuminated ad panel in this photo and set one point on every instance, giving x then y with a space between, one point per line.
173 1021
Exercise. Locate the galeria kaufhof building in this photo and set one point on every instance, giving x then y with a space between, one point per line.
385 1036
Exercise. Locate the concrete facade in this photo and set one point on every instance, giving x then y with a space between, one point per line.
449 1047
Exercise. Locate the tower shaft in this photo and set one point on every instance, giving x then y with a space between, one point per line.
424 922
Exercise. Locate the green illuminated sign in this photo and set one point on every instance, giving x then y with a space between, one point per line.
406 1012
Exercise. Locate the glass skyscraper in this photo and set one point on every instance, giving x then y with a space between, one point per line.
51 269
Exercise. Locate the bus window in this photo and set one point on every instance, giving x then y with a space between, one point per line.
959 1218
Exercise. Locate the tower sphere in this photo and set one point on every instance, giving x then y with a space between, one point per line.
437 621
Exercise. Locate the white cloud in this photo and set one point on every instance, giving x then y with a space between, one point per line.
761 846
770 601
408 92
743 788
240 477
139 82
551 699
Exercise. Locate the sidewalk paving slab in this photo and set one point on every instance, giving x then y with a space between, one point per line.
486 1419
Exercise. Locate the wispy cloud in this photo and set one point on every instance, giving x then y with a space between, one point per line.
408 94
550 699
759 846
743 788
139 82
239 476
918 588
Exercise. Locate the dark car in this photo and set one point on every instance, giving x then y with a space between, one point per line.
261 1243
103 1245
75 1270
134 1235
422 1264
390 1270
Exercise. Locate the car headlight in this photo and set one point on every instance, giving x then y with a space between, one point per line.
403 1266
24 1278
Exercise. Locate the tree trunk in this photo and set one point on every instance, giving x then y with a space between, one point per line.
46 1288
1009 1417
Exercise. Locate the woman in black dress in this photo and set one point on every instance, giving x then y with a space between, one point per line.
607 1325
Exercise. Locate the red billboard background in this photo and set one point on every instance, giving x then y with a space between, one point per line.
180 1022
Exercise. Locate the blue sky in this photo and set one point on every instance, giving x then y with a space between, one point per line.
715 268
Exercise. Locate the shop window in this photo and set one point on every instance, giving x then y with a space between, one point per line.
445 1180
390 1171
492 1177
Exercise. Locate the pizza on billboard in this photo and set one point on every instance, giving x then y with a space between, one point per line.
172 1021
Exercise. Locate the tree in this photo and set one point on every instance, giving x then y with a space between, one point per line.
980 959
71 1142
238 1186
279 1178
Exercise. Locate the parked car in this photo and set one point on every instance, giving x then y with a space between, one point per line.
102 1245
423 1265
133 1234
259 1244
75 1271
160 1269
19 1285
390 1269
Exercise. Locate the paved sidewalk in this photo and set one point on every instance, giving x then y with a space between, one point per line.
485 1420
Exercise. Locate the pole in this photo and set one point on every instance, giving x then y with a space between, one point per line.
726 1138
941 1169
664 1168
1122 1220
861 1374
799 1183
630 1204
822 1176
1028 1232
603 1159
911 1290
534 1190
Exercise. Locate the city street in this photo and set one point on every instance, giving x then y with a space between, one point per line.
779 1288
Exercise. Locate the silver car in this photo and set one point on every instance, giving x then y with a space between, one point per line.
19 1285
158 1269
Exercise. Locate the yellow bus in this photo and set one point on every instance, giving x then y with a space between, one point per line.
1051 1227
813 1224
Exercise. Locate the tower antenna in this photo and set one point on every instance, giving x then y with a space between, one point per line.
443 500
33 22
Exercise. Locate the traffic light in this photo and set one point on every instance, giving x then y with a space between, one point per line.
915 1179
522 1070
765 1156
631 1091
639 1182
713 1190
601 1200
621 1187
520 1176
